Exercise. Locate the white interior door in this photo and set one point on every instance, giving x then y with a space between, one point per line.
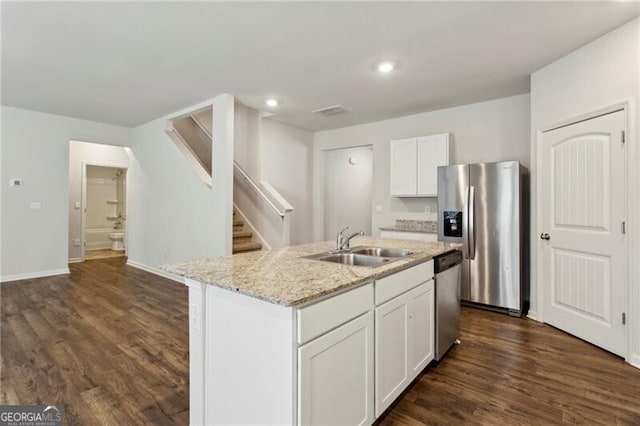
583 250
348 180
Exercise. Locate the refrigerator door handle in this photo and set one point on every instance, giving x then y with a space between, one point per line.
471 232
465 225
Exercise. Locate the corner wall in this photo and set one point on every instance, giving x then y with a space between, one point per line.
602 73
287 165
35 148
487 131
175 216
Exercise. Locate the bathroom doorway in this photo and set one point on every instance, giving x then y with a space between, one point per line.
104 211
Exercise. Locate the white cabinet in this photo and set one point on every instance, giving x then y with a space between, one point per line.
404 331
335 376
404 168
414 165
405 235
341 360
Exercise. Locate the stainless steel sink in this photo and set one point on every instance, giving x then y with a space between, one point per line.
381 251
354 259
362 256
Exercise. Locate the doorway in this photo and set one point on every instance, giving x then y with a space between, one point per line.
104 211
348 178
85 156
582 241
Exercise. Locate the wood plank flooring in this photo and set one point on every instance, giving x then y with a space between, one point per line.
102 254
509 371
110 343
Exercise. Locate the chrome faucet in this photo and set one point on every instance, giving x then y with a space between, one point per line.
342 242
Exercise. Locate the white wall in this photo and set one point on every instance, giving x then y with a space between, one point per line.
600 74
175 216
247 148
79 153
35 148
287 165
488 131
347 190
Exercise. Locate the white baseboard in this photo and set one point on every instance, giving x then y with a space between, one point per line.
75 260
155 271
533 315
31 275
634 360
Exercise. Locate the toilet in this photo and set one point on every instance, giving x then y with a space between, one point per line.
117 241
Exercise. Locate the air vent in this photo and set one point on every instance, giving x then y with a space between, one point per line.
331 111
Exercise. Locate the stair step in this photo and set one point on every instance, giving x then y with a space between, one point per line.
242 236
243 247
238 223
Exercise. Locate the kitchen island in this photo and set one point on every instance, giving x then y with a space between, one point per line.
276 338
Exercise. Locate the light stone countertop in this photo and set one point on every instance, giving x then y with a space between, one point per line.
282 277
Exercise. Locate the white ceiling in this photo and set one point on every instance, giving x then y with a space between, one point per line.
128 63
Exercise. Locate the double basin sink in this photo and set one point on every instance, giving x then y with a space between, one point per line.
362 256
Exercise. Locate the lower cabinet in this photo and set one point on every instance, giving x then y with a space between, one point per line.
335 376
340 361
404 342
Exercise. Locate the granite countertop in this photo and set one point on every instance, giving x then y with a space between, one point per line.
405 225
282 277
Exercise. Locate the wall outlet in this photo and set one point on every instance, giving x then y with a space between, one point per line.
76 242
35 206
427 209
76 205
379 209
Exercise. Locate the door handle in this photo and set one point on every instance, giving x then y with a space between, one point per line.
545 236
471 224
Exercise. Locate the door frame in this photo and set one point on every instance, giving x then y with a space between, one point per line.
83 202
632 276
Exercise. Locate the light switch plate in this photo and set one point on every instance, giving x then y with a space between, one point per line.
76 205
15 182
379 209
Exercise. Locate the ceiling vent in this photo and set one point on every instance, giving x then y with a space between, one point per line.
331 111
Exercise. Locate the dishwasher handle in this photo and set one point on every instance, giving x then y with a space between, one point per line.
447 261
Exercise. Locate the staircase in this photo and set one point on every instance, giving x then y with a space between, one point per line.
243 240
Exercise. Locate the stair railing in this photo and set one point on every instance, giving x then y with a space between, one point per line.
265 191
283 210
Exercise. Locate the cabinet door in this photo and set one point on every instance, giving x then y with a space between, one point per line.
335 376
404 342
392 349
433 151
421 328
403 167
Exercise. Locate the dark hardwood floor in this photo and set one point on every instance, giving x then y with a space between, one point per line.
110 343
515 371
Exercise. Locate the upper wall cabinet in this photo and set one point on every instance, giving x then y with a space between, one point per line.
414 165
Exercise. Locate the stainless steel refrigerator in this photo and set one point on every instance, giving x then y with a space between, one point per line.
485 207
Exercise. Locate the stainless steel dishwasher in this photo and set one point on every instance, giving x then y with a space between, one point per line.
447 283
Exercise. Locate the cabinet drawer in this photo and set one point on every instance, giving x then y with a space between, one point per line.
326 315
389 287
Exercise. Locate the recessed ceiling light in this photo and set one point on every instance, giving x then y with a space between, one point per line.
386 67
272 103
